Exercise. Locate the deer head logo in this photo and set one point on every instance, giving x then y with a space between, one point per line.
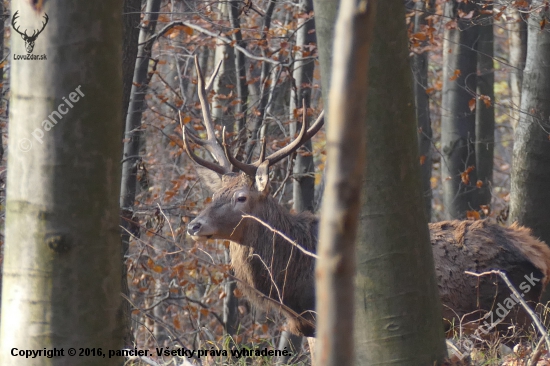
29 40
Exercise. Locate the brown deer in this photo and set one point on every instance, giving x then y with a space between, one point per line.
275 273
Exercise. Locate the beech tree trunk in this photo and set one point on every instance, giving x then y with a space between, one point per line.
398 317
335 267
422 103
517 35
485 110
304 181
62 259
133 133
325 19
458 131
530 196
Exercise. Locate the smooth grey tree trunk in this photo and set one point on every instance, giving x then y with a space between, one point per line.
304 181
226 78
517 35
398 309
530 193
325 19
335 267
62 250
458 117
485 110
303 185
130 16
132 131
130 19
422 102
240 65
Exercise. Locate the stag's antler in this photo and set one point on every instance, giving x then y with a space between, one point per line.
43 26
25 35
15 16
223 156
211 143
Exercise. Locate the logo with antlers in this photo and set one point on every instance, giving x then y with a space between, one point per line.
29 40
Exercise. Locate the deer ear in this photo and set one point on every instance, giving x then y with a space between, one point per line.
211 179
262 177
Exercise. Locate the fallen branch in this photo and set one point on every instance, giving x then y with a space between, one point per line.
518 296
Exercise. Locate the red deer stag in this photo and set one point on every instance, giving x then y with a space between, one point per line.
271 271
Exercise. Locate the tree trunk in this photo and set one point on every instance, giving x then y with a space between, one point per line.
335 267
325 18
62 254
398 309
130 16
485 111
304 181
422 103
133 133
530 196
517 35
225 80
240 65
130 33
458 122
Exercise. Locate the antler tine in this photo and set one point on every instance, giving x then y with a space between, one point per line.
205 163
315 127
213 77
249 169
13 19
262 152
290 148
211 143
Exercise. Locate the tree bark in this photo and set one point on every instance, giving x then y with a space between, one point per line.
304 181
422 103
335 267
530 196
62 251
485 111
398 309
130 21
458 122
132 140
517 35
240 65
325 18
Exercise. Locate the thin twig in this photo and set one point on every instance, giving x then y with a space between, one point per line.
311 254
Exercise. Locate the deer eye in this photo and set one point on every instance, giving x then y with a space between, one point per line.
241 199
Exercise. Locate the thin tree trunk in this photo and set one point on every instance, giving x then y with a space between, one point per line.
130 16
398 309
422 102
530 203
304 181
240 65
485 111
62 251
264 88
325 18
226 78
335 268
458 121
517 35
132 132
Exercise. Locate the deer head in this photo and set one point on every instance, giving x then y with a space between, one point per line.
29 40
239 188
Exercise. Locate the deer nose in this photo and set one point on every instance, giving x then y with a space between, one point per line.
194 227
